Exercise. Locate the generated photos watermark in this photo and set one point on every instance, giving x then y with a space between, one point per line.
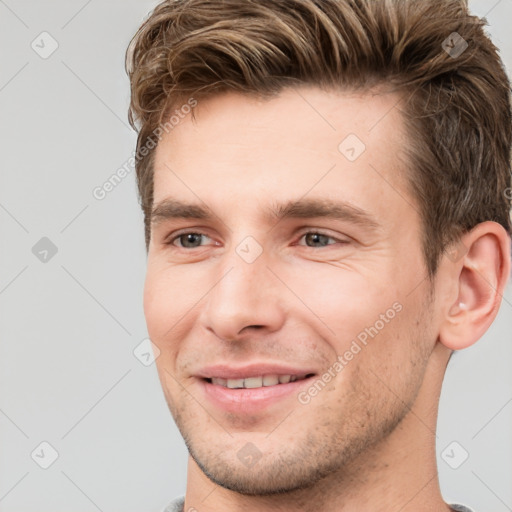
356 346
100 192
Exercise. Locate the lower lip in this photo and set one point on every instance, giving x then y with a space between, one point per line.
251 400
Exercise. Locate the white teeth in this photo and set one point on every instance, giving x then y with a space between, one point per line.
256 382
253 382
235 383
270 380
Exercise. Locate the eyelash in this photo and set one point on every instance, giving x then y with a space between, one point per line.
312 232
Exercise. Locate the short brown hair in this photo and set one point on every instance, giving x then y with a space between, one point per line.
456 99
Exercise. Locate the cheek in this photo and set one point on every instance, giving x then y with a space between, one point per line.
154 306
346 303
169 299
172 301
398 354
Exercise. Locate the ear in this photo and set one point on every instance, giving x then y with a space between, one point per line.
480 268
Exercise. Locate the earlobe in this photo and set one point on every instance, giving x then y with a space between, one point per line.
480 277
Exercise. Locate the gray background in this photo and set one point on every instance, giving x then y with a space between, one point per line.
70 323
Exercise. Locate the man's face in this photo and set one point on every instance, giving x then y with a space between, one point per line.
333 292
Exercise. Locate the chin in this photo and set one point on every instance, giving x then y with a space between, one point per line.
260 480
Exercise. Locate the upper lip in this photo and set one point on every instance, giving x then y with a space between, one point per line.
224 371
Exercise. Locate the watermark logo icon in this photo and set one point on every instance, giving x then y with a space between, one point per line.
146 352
44 45
351 147
454 45
249 455
249 249
455 455
44 250
44 455
456 251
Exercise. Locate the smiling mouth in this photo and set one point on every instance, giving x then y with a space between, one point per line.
256 382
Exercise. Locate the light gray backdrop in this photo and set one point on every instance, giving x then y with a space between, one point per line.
74 398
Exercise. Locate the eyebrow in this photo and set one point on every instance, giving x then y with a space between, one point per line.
302 208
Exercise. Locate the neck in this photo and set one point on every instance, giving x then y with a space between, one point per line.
397 473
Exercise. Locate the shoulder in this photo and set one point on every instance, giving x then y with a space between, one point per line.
176 505
460 508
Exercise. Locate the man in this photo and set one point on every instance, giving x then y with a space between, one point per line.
325 189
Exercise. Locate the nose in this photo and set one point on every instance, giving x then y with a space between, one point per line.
245 297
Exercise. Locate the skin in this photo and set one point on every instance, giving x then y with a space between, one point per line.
366 441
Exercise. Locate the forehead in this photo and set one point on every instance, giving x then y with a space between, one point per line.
303 141
294 114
